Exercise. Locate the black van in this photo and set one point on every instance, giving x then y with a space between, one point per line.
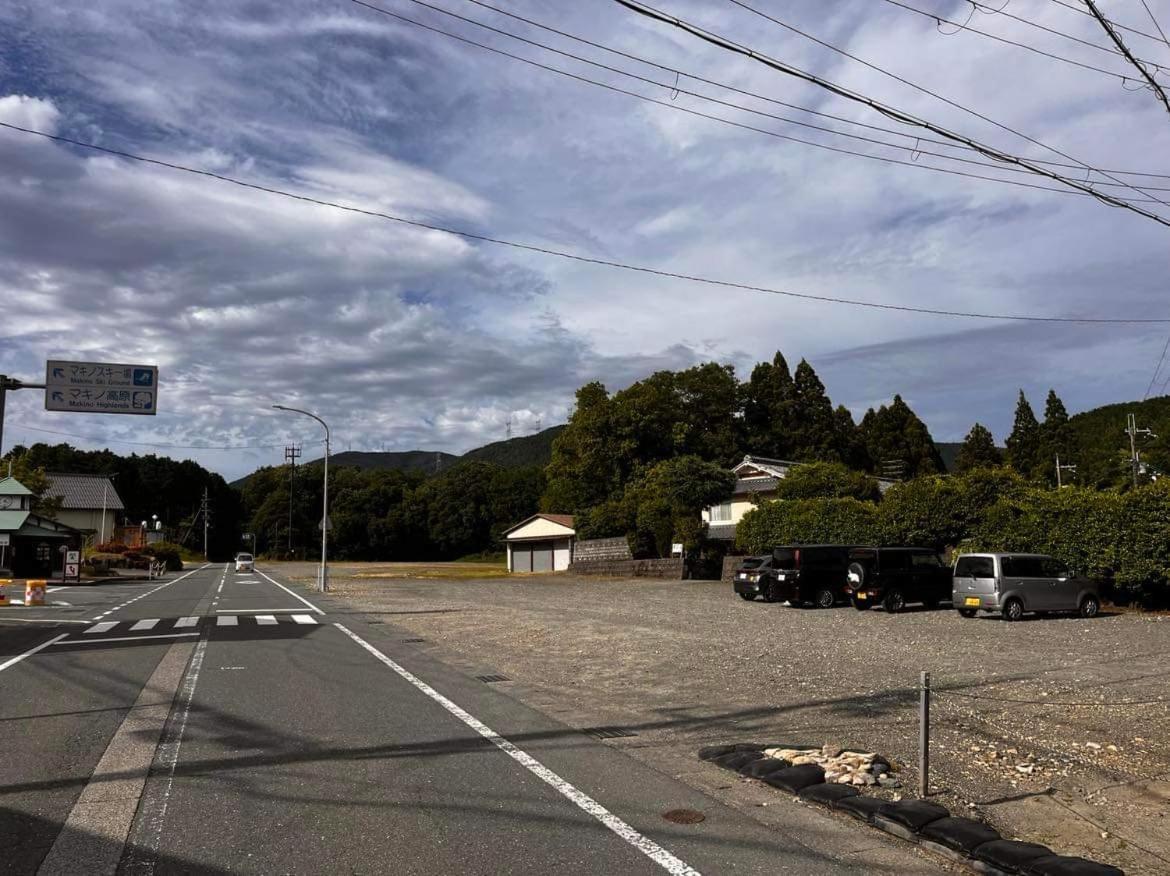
809 574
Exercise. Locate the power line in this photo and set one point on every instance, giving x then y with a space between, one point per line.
1153 18
887 110
1076 8
705 35
697 78
961 26
528 247
1116 37
915 150
151 443
1157 369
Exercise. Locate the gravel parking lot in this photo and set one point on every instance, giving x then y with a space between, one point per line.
1053 730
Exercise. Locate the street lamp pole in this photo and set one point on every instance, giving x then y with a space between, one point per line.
323 581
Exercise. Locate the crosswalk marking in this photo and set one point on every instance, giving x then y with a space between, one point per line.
103 627
303 619
227 620
145 624
186 622
265 619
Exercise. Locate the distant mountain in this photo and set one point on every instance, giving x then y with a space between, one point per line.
512 453
1101 444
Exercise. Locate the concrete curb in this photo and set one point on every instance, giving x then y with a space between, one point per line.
907 819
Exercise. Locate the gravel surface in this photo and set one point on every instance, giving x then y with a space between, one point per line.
1053 730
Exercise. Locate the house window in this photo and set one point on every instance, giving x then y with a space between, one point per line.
721 513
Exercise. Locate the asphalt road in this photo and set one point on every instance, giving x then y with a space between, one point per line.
224 723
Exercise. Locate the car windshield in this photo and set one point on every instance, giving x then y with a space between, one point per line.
752 563
244 558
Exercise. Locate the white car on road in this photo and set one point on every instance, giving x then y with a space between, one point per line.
245 563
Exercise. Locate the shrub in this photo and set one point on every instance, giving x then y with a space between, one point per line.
828 480
807 521
166 552
110 547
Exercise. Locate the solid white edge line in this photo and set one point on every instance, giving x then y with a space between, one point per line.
12 661
290 593
126 639
580 799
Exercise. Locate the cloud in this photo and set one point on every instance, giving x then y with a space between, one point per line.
408 338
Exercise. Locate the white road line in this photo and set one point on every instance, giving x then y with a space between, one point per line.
265 619
127 639
40 620
186 622
303 619
289 592
227 620
148 592
256 610
103 627
153 814
12 661
219 589
580 799
147 624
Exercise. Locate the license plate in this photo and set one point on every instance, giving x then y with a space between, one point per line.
972 600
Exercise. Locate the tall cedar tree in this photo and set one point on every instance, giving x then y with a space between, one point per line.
1055 436
769 409
978 450
897 441
815 430
1024 443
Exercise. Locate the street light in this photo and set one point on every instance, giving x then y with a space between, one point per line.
323 575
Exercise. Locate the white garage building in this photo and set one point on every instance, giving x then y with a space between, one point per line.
542 543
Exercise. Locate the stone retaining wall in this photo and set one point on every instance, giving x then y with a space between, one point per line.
594 549
730 564
669 569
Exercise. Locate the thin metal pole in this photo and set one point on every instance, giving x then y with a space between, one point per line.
3 393
325 519
1058 471
924 735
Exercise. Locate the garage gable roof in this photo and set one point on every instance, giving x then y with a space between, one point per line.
542 525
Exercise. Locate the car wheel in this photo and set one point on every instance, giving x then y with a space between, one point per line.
967 612
825 598
1013 610
860 605
894 602
1089 607
750 597
769 592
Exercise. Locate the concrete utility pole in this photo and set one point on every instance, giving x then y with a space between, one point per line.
206 509
291 453
323 575
1060 468
1133 431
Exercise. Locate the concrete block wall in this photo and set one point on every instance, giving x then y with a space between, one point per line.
730 564
669 569
593 549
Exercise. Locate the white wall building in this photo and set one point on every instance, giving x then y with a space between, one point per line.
542 543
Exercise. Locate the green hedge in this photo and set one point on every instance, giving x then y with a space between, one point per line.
1122 538
166 552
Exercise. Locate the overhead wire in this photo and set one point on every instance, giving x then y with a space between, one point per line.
937 17
1075 7
1158 369
651 12
1120 43
592 260
675 88
1153 18
891 112
914 149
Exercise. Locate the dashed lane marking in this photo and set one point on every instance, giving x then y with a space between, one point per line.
147 624
103 627
656 853
149 592
266 619
186 622
227 620
303 619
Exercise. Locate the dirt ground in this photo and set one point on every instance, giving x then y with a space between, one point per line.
1054 730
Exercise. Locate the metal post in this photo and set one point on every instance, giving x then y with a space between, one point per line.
205 523
924 735
323 574
3 393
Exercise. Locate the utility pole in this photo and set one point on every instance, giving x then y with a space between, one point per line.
206 510
1072 469
1133 431
7 383
291 453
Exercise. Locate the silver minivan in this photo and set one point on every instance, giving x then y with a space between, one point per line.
1012 584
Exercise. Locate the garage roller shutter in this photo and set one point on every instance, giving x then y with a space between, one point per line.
522 558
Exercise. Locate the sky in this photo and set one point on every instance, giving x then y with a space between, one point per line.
405 338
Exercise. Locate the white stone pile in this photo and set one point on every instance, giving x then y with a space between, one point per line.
842 767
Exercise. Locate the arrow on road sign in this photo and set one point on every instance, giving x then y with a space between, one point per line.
58 396
58 373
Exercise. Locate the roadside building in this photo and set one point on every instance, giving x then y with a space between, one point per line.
31 546
89 503
756 480
542 543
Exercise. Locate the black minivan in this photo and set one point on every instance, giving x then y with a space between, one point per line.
813 574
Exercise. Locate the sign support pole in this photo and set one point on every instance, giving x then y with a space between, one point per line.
7 383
